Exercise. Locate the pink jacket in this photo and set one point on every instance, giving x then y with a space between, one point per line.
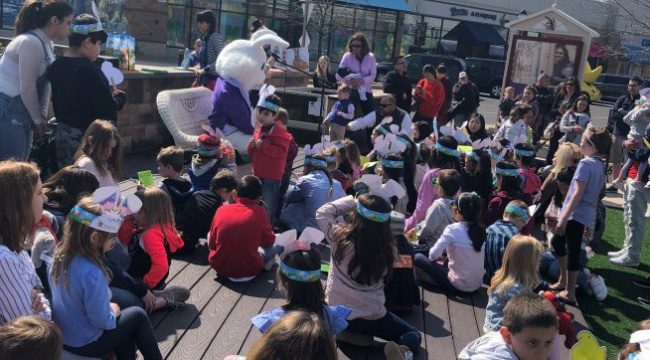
366 67
426 195
532 182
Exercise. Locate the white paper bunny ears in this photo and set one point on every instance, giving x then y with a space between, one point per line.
389 142
114 209
385 190
266 91
291 242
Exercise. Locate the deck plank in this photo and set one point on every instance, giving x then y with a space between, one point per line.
211 319
415 317
232 334
437 331
479 302
176 324
275 300
463 321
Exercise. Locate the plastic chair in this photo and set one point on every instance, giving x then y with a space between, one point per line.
183 111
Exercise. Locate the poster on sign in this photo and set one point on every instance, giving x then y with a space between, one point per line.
530 57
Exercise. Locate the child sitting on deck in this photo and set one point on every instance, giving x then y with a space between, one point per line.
515 217
464 242
171 165
195 217
439 214
363 254
241 238
207 163
508 188
152 238
299 277
525 158
529 328
30 337
100 152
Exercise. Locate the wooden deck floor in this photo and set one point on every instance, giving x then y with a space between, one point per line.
216 322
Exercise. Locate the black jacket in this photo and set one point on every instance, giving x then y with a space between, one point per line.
399 85
622 106
331 79
81 93
196 216
467 96
544 99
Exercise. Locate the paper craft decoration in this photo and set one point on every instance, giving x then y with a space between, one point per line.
114 209
308 236
324 267
645 92
456 133
93 6
114 76
482 143
389 189
465 148
315 149
146 178
388 144
642 337
587 348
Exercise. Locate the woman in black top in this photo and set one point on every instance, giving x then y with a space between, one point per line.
399 85
566 96
323 77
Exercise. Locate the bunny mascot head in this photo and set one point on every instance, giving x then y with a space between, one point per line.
241 69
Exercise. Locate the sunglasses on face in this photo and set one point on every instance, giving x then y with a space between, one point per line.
384 105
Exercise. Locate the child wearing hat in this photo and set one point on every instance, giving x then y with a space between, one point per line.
206 163
81 92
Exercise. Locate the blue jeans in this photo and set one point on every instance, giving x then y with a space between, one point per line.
390 328
125 298
271 196
133 330
15 129
269 253
549 268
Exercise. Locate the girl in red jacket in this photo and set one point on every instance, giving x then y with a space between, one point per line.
152 241
268 148
429 94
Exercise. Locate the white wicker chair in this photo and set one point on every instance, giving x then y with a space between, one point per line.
184 111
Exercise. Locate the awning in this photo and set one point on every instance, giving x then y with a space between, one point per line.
399 5
475 32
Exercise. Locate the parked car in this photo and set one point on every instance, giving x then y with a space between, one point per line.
612 86
487 74
417 61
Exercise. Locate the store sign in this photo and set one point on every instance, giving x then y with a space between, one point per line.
466 13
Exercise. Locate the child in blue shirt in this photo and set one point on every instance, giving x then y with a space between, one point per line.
92 325
515 217
342 113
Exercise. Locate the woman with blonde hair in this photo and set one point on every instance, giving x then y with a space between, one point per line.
567 154
324 77
21 206
518 274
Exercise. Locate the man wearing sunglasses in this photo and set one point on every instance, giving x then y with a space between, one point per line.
387 112
619 128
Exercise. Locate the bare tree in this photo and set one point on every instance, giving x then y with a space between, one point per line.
628 21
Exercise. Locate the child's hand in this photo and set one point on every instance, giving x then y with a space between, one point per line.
341 113
116 309
37 301
577 129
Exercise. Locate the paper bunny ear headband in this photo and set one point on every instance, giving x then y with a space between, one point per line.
389 143
376 186
114 209
266 91
454 132
288 240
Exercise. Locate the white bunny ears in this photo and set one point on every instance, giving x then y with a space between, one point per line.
291 242
385 190
317 148
114 209
454 132
389 143
266 91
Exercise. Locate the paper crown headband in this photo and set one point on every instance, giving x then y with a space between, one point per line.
266 91
377 187
389 143
114 209
291 243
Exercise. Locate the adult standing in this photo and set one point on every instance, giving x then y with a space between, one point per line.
619 128
466 95
24 88
448 85
529 97
544 100
564 99
635 203
398 84
429 94
211 45
359 61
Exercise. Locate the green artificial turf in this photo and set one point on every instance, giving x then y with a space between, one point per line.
614 319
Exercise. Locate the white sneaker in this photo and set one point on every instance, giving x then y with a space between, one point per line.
615 254
647 212
598 286
647 186
624 261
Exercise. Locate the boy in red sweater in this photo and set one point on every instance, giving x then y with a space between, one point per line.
268 148
430 95
241 238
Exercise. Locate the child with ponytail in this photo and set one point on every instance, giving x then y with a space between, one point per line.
298 276
464 242
363 254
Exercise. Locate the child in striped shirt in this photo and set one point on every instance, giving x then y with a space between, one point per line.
515 217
